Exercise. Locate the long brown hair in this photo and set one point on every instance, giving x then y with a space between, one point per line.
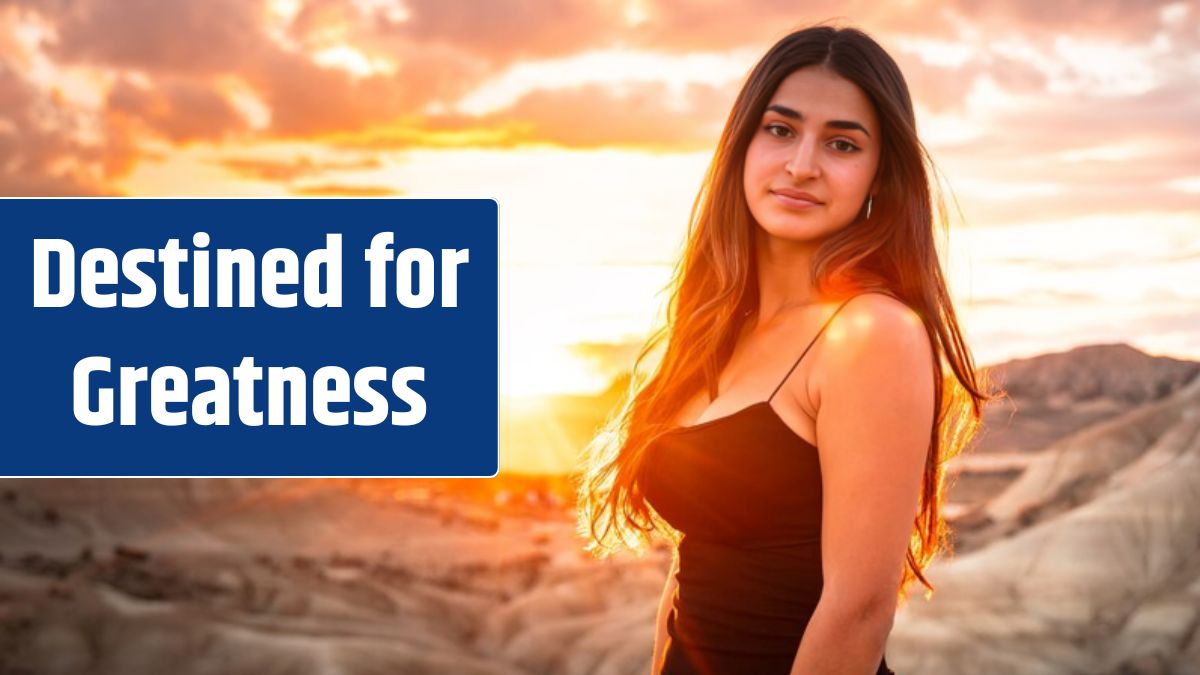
715 284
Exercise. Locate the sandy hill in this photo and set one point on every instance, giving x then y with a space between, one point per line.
1111 371
1102 572
1051 399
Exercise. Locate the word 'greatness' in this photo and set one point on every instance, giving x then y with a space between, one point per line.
169 394
98 272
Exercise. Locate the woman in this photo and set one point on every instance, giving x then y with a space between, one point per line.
787 440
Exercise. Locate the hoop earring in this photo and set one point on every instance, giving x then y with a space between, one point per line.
869 198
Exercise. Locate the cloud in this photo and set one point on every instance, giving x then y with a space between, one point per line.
338 190
194 37
165 42
688 25
307 99
610 359
947 88
502 31
179 110
1131 20
284 171
1104 153
44 147
644 115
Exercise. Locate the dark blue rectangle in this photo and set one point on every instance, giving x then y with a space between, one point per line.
456 346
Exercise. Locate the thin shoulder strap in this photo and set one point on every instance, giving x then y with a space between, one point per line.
814 341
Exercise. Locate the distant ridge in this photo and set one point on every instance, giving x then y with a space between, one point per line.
1114 371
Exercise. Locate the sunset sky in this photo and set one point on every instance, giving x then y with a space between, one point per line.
1069 133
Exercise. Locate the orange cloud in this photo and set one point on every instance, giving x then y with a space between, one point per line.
337 190
181 37
498 32
42 151
179 110
641 115
300 167
647 115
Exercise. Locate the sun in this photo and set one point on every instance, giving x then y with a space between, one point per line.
533 368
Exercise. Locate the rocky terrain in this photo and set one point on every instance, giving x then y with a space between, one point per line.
1078 551
1089 560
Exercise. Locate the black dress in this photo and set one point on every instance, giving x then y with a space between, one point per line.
745 492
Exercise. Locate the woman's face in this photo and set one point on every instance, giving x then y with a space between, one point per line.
810 164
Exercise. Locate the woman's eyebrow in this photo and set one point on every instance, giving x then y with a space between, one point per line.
837 124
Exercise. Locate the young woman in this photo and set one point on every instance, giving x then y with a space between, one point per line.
791 441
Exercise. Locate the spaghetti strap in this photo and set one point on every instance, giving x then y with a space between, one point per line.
814 341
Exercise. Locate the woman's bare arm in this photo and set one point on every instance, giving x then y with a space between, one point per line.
664 610
874 417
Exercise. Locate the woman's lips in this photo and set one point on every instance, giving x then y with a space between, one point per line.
794 202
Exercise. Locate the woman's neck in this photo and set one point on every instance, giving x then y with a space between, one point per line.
784 276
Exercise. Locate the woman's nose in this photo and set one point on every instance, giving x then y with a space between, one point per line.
803 161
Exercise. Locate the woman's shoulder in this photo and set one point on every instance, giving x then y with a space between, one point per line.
870 331
877 313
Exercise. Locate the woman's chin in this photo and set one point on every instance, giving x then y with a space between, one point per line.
798 230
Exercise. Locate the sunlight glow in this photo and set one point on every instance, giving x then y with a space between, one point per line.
408 132
529 367
636 12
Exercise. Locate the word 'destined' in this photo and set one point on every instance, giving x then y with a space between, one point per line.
100 270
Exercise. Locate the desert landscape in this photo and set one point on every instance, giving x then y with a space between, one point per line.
1077 550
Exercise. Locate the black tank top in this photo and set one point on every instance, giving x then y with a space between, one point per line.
745 492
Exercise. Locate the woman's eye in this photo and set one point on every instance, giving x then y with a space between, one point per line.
777 130
844 146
